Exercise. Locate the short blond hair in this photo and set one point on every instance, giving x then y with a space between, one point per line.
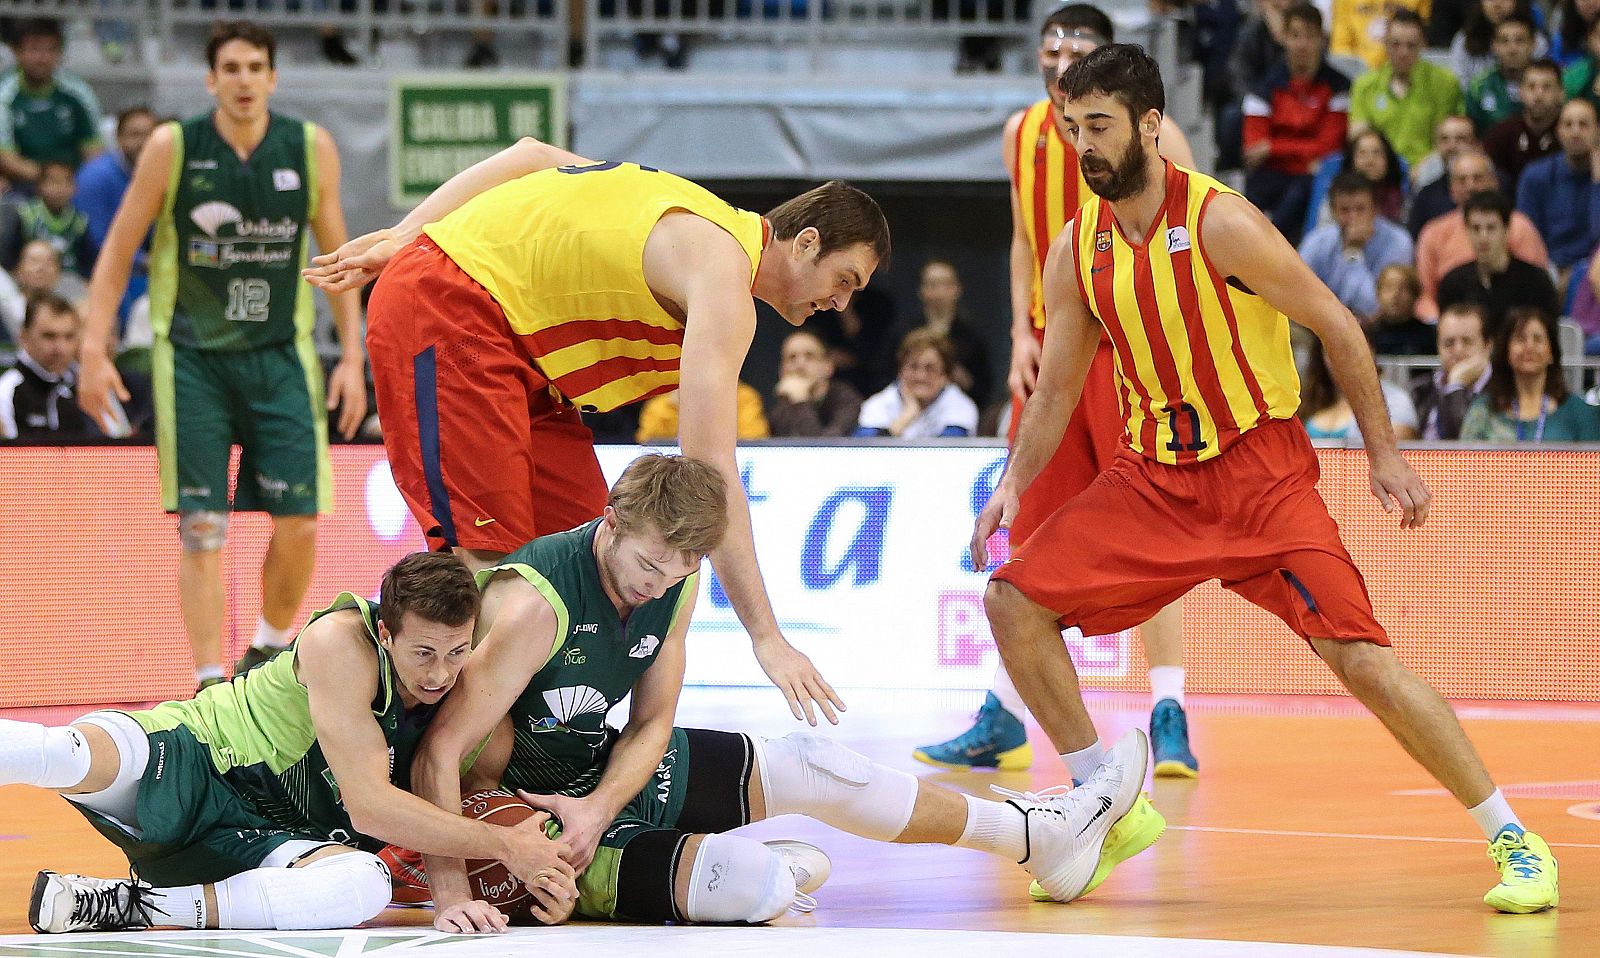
683 500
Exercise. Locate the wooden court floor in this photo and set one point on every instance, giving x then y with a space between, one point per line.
1309 825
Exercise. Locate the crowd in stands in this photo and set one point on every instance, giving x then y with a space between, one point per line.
1448 196
1436 164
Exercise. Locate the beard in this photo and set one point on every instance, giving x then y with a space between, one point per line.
1128 177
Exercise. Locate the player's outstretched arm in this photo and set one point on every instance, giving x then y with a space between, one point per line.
519 632
1244 244
358 262
699 265
1071 335
146 194
347 383
339 668
637 752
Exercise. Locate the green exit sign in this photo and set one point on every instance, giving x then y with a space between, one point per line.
439 126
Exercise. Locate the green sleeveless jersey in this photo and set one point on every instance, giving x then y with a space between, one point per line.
562 740
259 731
231 239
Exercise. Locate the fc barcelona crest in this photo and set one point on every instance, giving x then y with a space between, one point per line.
1102 241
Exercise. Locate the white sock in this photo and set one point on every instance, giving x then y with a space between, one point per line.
205 672
1006 692
1493 814
1084 761
182 906
1166 682
32 754
269 638
994 827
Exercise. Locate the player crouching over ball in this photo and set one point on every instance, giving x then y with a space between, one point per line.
574 622
260 802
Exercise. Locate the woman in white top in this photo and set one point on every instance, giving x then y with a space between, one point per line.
922 402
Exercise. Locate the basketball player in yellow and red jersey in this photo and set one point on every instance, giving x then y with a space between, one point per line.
538 284
1046 189
1218 480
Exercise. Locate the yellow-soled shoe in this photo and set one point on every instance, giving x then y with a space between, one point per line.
1527 873
1132 834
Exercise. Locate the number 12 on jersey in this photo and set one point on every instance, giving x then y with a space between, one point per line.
249 300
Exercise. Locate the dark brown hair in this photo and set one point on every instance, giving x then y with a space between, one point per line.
1502 385
840 213
436 586
254 34
54 304
1122 71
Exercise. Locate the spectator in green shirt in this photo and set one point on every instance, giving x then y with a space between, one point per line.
46 113
1493 95
1406 97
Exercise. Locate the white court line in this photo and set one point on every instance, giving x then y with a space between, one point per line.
1512 788
1381 838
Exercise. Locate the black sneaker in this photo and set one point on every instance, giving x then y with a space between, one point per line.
253 656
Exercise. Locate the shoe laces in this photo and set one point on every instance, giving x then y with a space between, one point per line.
1056 798
803 904
1513 852
111 906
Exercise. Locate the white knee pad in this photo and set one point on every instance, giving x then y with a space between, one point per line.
738 879
119 801
339 891
804 773
203 530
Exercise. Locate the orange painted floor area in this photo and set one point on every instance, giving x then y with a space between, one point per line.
1308 826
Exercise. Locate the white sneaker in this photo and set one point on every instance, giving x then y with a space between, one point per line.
1067 829
811 865
66 903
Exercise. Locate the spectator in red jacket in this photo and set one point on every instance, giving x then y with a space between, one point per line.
1294 118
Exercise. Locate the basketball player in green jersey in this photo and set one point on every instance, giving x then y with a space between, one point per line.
231 193
300 764
573 623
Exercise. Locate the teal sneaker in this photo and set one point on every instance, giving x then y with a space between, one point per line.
1169 740
997 739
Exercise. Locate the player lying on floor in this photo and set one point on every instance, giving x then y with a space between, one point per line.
573 622
299 764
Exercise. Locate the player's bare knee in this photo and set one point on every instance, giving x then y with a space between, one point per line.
203 530
1365 668
1007 608
294 530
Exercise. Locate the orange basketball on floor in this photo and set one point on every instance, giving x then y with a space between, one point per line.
491 881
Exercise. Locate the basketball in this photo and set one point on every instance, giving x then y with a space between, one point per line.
491 881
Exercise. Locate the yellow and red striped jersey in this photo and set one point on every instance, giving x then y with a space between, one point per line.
561 251
1201 359
1048 185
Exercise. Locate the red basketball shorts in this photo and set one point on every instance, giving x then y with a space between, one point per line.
1144 533
1088 447
486 454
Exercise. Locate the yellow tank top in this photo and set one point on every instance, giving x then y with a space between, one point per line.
561 252
1049 187
1201 360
